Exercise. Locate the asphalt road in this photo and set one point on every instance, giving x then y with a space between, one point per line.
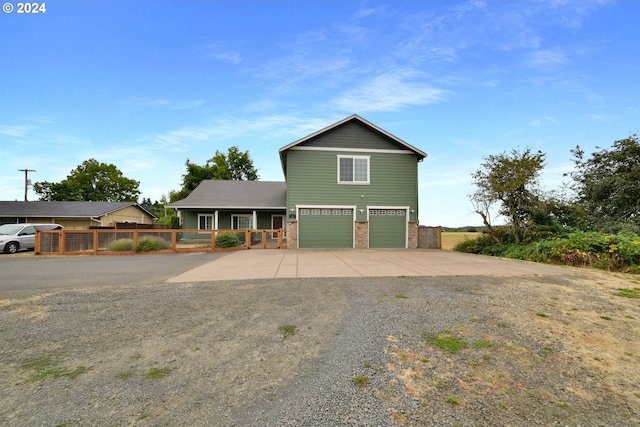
45 272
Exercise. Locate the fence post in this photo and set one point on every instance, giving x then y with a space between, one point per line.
36 248
174 240
62 241
213 240
95 242
264 239
247 239
135 239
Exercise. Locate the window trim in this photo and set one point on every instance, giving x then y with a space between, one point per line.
234 216
213 220
354 157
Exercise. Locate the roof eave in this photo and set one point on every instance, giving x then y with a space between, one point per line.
421 154
229 207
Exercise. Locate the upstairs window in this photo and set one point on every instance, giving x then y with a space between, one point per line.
353 169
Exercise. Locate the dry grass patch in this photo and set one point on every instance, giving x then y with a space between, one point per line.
32 308
511 352
451 238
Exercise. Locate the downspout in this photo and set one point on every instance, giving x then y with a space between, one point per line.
96 220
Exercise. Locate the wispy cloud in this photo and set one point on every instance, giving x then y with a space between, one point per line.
597 117
545 58
159 102
15 131
284 128
390 91
187 104
544 121
223 54
146 102
294 71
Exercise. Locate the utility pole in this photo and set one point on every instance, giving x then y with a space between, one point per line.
26 181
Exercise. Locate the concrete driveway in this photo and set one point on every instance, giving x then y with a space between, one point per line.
270 264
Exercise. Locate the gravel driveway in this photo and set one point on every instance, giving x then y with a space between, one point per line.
531 350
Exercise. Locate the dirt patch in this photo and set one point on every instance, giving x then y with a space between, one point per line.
535 350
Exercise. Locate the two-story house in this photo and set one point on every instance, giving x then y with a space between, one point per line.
349 185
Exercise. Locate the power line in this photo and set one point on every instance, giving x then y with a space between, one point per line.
26 181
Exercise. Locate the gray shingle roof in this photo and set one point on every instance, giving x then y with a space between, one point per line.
61 209
236 194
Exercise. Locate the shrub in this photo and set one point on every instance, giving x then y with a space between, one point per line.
474 246
151 243
174 222
121 245
616 252
228 240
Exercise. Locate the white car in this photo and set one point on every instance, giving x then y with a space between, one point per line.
17 237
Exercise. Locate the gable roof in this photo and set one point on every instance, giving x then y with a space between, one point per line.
354 117
63 209
223 194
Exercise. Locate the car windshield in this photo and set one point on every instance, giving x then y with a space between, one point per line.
10 229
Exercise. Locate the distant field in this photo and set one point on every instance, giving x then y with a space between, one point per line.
451 238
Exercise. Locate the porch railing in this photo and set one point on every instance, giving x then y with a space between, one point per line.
112 242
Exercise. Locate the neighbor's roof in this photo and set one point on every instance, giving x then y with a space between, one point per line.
63 209
223 194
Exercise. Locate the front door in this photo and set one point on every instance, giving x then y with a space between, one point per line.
277 222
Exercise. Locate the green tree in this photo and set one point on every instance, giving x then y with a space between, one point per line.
166 216
509 180
91 181
235 165
607 186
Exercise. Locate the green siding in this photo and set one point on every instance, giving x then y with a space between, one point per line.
353 135
325 231
312 180
224 220
387 231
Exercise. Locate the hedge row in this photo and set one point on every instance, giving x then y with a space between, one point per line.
615 252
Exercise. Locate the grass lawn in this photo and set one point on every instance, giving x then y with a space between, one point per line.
452 238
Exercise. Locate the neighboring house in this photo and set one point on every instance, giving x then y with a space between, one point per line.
75 215
234 205
349 185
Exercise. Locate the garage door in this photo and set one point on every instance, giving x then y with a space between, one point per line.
325 228
387 228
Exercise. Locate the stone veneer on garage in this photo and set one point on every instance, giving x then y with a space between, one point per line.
292 234
362 234
413 235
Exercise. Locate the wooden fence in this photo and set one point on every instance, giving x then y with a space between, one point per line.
429 237
113 242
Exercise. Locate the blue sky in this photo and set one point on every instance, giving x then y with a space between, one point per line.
147 84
